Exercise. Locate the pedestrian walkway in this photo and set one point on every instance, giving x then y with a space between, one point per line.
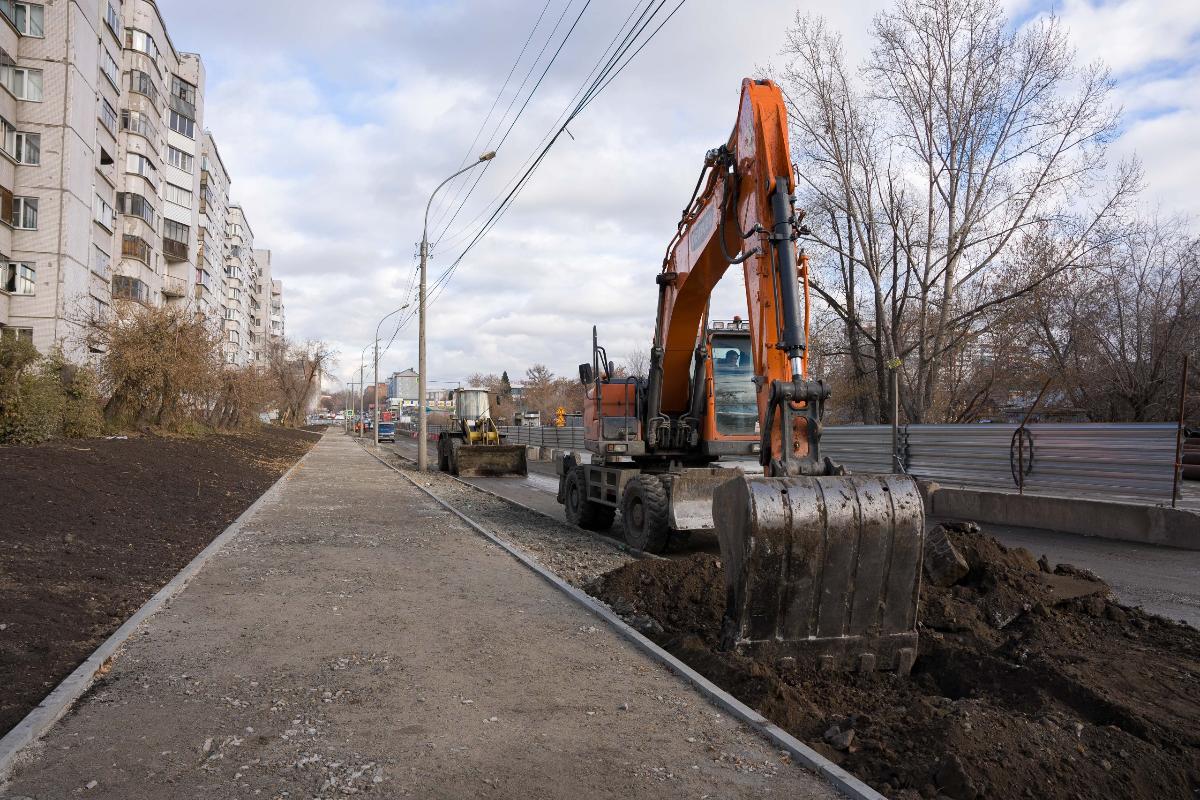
358 638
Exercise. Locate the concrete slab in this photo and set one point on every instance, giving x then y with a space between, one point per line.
355 635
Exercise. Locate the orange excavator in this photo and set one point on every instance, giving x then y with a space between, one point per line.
724 434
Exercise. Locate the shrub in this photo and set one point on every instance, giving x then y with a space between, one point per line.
43 398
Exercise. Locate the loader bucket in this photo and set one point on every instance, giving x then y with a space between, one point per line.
490 460
822 570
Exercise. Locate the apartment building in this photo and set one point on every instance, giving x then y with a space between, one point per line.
111 188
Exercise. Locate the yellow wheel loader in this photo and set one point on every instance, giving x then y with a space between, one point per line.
473 445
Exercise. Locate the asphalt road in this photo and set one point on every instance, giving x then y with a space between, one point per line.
1162 580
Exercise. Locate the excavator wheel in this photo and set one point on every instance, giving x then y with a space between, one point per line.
646 514
587 514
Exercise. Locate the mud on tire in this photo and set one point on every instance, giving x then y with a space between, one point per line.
587 514
645 514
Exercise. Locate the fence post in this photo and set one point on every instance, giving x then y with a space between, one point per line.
1179 435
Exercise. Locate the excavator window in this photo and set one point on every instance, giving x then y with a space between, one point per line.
734 394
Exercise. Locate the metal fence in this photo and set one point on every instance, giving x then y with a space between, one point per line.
1117 461
564 438
1097 460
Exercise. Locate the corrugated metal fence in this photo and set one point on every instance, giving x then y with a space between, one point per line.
1096 460
1116 461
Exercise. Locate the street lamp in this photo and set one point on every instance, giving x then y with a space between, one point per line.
374 391
422 422
362 389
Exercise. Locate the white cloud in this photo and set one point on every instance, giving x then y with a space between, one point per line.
336 126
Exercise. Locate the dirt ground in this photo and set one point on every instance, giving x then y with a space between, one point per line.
1031 682
92 528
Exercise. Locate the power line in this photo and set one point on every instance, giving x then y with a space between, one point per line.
528 98
598 85
471 149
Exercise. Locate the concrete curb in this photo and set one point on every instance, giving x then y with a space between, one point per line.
842 780
37 722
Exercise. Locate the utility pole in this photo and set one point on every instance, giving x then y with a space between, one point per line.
422 422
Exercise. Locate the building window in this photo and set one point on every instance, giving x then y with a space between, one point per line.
19 334
136 247
101 261
183 125
139 123
234 337
113 19
105 215
183 97
25 213
29 19
179 159
126 288
108 116
138 164
27 148
142 83
134 205
142 42
18 278
177 195
108 65
24 83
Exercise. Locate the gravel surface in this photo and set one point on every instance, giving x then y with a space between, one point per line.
577 556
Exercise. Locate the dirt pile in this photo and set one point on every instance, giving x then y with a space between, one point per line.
91 528
1032 681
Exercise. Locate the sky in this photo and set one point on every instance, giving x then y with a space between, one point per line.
337 125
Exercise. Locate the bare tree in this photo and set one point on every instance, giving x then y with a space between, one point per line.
637 363
1115 334
969 134
295 371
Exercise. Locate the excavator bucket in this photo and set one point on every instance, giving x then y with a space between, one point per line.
490 460
822 570
692 497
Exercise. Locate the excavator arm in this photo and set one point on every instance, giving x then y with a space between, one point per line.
743 213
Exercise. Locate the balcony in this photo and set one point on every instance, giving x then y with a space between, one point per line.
175 250
137 248
174 287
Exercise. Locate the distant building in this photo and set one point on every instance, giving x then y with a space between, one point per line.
405 387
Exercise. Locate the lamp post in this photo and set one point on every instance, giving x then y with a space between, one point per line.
374 391
422 422
362 392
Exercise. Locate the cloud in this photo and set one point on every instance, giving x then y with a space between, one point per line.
337 124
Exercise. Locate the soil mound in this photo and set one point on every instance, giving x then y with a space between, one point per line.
1031 681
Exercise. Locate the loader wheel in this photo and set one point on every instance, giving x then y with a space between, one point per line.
587 514
443 456
645 514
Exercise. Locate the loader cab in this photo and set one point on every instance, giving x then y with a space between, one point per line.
731 425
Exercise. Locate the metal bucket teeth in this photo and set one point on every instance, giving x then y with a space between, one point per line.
491 460
825 570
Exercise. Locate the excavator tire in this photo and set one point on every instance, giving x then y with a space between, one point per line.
443 455
587 514
646 514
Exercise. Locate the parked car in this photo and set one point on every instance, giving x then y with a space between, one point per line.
387 431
